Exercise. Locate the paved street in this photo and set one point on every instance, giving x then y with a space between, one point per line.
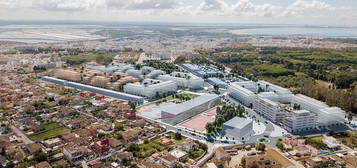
18 132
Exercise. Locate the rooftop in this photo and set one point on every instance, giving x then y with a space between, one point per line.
238 122
180 108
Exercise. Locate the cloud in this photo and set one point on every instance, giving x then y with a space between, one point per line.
69 5
247 8
304 7
153 4
9 3
217 6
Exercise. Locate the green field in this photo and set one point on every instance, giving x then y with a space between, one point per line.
152 147
182 97
49 134
52 126
100 57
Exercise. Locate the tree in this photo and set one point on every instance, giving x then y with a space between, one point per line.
180 60
40 156
216 87
280 145
133 147
178 136
260 147
119 127
132 106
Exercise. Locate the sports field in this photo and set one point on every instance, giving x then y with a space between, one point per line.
199 122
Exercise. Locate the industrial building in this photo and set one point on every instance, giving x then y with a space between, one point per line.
238 128
183 80
181 112
150 88
110 93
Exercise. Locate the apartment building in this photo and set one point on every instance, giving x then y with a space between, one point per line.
150 88
269 109
243 95
183 80
300 120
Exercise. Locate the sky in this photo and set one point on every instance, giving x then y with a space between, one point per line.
312 12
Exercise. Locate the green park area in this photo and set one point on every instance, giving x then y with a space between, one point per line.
100 57
51 130
177 98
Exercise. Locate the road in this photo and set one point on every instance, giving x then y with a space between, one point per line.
18 132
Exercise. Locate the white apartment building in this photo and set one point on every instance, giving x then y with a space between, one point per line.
269 109
285 95
300 120
330 116
183 80
308 103
243 95
326 115
149 88
250 85
134 73
269 95
155 73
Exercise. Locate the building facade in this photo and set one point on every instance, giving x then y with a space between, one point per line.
238 128
150 88
181 112
243 95
300 121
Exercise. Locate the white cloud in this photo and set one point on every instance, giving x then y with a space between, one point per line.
153 4
302 11
305 7
69 5
8 3
218 7
247 8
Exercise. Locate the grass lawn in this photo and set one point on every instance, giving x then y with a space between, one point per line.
349 139
316 142
51 126
177 100
172 99
194 154
150 148
177 142
49 134
101 57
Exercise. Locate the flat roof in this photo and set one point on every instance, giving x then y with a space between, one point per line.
180 108
92 87
238 122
